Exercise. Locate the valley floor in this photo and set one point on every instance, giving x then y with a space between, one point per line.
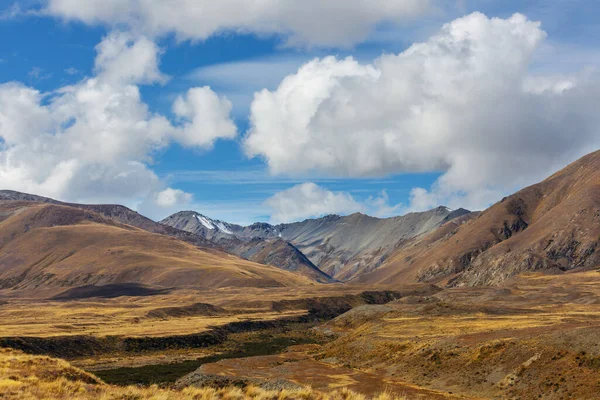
534 337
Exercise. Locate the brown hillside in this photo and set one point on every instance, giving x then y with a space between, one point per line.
116 212
56 246
552 226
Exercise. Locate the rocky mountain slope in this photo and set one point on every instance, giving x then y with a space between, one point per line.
265 250
206 227
552 226
346 247
45 246
342 247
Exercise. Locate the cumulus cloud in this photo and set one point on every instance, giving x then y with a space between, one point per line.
204 117
171 197
462 103
94 141
165 202
308 200
302 22
124 58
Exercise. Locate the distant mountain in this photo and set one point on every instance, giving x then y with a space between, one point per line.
52 247
552 226
201 225
118 212
349 246
265 250
342 247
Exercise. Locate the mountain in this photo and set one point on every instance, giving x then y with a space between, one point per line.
342 247
117 212
198 224
552 226
348 246
46 246
265 250
201 231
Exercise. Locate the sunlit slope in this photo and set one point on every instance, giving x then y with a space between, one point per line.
46 245
552 226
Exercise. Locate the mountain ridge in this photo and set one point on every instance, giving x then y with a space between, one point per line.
270 250
343 247
551 226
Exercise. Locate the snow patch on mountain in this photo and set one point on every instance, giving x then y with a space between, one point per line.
223 228
213 224
204 221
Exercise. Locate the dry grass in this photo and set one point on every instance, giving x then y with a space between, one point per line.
48 319
57 247
26 377
535 337
126 316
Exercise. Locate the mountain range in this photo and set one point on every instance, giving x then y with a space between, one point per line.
553 226
342 247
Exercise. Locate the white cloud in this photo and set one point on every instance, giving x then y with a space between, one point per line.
158 205
171 197
308 200
123 58
240 79
302 22
38 74
205 118
463 103
248 75
379 206
14 11
94 141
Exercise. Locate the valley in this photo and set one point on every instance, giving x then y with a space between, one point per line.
534 335
442 304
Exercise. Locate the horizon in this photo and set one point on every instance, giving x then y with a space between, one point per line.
294 113
251 223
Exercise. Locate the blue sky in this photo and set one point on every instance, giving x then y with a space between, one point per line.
47 49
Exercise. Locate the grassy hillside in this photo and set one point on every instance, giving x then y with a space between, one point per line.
55 246
28 377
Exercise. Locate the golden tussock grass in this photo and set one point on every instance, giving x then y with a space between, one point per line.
26 377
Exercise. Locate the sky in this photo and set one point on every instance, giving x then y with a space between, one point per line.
281 110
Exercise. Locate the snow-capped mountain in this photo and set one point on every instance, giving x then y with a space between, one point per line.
202 225
262 243
214 225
